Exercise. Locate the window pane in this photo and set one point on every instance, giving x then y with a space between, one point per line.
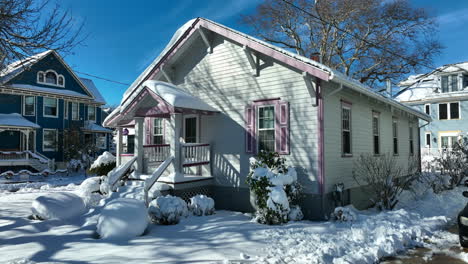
266 140
375 125
51 78
41 77
60 80
158 139
444 84
346 142
191 130
428 140
50 139
91 113
50 106
454 83
444 142
376 145
29 105
266 117
454 111
443 111
465 81
428 109
395 145
101 141
75 111
345 116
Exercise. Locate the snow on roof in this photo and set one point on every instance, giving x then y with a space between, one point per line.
334 74
16 120
14 68
93 89
424 86
91 126
177 97
47 90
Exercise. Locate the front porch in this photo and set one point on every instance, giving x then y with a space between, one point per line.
161 123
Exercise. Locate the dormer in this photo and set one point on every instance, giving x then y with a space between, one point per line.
452 82
50 77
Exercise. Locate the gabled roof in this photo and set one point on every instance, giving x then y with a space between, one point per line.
296 61
14 69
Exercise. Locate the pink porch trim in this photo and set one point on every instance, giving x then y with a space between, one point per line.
127 155
266 100
156 145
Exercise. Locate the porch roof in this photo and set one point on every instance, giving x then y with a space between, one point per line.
16 120
93 127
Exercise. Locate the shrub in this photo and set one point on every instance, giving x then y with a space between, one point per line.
453 163
384 177
167 210
103 164
344 214
201 205
274 188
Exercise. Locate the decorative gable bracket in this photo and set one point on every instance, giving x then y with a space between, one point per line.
205 39
253 63
313 91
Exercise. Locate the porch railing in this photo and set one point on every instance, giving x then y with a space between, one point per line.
13 155
195 154
156 153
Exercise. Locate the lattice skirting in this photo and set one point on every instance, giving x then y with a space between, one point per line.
188 193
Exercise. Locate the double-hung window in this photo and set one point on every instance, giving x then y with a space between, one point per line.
395 136
346 129
411 141
158 131
101 141
50 107
428 140
449 83
29 105
376 132
449 111
266 128
427 109
92 113
49 140
75 111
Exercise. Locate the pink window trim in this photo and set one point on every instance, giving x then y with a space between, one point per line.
346 103
266 100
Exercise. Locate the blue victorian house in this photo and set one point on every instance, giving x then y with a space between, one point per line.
40 98
442 94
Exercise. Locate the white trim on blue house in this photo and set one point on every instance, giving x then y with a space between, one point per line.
57 76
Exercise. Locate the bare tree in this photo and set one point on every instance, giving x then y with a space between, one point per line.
31 26
369 40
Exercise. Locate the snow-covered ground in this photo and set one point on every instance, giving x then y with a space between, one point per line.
226 237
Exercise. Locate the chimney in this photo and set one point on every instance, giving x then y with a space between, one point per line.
316 57
389 87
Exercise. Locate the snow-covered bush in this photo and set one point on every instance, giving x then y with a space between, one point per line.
167 210
89 191
295 213
57 206
122 218
453 163
344 214
274 188
103 164
75 165
201 205
384 177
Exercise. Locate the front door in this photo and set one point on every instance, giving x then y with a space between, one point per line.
191 129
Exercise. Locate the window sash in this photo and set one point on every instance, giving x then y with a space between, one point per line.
454 83
266 128
75 111
428 140
448 111
50 107
443 112
454 111
29 105
395 137
444 84
376 133
427 109
91 113
346 129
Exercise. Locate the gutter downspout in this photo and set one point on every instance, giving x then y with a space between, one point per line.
419 143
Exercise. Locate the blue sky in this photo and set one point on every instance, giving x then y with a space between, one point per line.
124 38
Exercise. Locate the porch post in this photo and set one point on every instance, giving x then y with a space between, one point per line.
139 143
27 143
175 146
119 147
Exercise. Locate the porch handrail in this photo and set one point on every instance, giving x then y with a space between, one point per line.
156 152
155 176
38 156
119 172
195 154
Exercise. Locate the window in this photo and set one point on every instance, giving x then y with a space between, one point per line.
91 113
266 128
88 139
101 141
454 83
448 141
75 111
29 105
427 109
449 83
50 77
449 111
346 128
49 140
50 107
411 145
428 139
376 132
65 109
395 136
158 130
465 81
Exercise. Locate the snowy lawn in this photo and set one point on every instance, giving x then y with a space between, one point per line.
223 236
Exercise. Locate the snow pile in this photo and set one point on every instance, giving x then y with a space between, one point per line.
167 210
202 205
59 205
122 219
295 213
345 214
109 183
89 191
104 159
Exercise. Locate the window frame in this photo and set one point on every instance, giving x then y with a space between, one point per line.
449 114
430 139
257 125
57 76
44 107
77 111
43 139
95 113
376 115
348 106
24 105
429 108
395 148
153 130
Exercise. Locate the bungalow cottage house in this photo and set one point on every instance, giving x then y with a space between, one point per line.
442 94
39 98
215 97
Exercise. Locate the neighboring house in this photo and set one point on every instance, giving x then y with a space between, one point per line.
215 97
39 98
442 94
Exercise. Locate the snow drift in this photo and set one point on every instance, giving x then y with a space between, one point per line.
58 206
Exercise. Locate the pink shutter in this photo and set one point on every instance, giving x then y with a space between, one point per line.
148 125
282 127
250 145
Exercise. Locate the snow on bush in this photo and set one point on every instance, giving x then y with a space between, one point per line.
167 210
202 205
274 189
89 191
122 218
295 213
103 164
344 214
58 205
75 164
